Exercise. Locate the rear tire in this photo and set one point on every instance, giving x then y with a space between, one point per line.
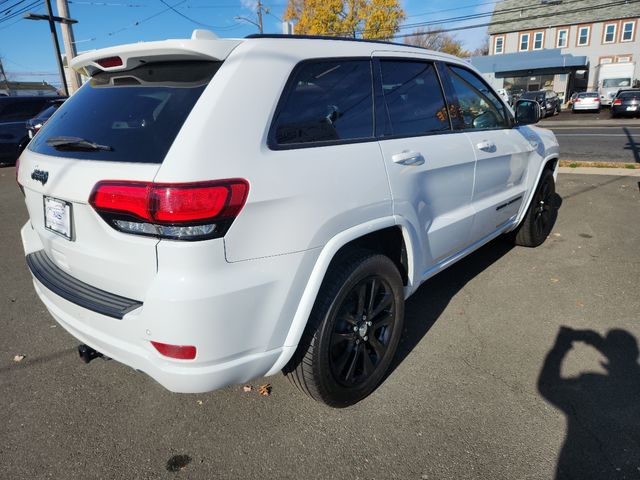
541 214
353 330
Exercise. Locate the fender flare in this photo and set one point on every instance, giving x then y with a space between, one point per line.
543 164
300 318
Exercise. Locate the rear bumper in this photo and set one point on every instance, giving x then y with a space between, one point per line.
237 315
586 107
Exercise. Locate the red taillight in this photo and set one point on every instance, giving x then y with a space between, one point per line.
596 100
617 102
577 100
181 352
109 62
188 211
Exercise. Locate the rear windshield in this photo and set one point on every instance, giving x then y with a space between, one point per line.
133 116
533 95
628 95
589 95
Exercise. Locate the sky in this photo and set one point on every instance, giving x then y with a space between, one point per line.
27 51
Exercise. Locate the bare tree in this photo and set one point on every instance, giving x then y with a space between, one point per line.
482 50
435 38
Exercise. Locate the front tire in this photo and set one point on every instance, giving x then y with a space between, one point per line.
353 330
541 215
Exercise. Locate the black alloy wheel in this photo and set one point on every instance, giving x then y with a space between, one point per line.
353 331
541 214
362 332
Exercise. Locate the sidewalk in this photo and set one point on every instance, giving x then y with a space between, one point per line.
622 172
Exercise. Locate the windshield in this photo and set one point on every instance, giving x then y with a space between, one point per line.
616 82
588 95
136 114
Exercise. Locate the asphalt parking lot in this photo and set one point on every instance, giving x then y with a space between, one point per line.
476 391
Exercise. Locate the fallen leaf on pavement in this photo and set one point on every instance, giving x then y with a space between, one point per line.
265 390
247 388
18 358
579 304
555 280
199 402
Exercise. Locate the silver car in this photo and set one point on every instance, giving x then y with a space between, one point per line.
586 101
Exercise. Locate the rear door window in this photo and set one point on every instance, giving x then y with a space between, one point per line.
133 116
327 101
413 100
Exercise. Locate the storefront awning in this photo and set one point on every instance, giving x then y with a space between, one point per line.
530 63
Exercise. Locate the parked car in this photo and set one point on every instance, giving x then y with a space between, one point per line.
14 113
548 100
209 211
586 101
626 104
36 123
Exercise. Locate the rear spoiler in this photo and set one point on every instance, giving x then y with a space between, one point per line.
203 45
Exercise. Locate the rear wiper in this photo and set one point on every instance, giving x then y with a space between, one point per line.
76 143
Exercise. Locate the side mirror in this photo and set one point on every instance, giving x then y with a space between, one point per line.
527 112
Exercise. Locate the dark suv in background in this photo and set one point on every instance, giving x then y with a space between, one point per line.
14 114
547 99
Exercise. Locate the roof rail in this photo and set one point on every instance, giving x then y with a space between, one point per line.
326 37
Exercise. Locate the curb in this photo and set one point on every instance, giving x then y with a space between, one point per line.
620 172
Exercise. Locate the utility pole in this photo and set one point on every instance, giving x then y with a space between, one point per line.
4 77
54 35
260 15
69 43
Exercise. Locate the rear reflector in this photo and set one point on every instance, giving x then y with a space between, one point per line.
181 352
183 211
109 62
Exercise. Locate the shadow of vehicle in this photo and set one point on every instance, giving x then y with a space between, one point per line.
425 306
603 410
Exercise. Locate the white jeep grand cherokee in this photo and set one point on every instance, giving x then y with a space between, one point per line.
212 210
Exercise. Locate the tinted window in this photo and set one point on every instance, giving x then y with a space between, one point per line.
588 95
473 105
533 96
413 99
326 101
137 113
627 95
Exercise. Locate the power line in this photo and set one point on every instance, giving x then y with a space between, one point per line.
191 19
502 22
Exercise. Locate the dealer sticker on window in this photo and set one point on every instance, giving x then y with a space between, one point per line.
57 216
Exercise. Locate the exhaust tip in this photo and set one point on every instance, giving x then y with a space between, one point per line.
87 353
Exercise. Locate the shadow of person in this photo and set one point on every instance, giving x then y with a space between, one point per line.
603 410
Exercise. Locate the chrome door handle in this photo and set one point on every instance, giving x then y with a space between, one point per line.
408 158
486 145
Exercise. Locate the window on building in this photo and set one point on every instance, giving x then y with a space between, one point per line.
583 36
524 42
623 58
628 31
606 60
538 38
499 46
563 38
609 33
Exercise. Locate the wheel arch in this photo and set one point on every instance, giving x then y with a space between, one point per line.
388 236
551 162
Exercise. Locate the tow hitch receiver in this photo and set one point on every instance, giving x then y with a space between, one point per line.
87 353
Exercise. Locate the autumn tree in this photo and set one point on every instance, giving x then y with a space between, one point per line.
353 18
436 39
